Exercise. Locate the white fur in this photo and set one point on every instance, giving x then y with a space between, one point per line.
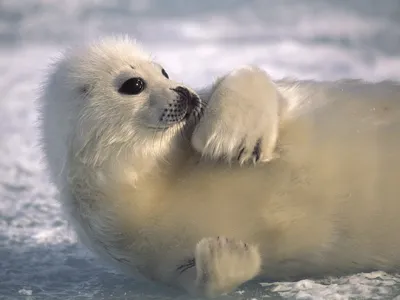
326 202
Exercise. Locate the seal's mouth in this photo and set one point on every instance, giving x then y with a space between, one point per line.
190 100
194 107
188 106
186 109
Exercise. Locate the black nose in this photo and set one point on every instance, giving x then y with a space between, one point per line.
184 93
191 101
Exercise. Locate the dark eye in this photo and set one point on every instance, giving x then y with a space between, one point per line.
164 73
132 86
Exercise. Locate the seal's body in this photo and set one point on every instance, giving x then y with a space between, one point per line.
279 180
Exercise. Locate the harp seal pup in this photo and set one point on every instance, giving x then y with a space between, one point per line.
246 178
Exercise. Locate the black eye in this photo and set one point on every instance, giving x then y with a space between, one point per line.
164 73
132 86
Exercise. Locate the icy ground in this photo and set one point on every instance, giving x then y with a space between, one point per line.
195 41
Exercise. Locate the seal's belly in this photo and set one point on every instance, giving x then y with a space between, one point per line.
329 200
339 159
352 142
346 155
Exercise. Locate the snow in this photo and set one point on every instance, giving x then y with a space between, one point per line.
195 41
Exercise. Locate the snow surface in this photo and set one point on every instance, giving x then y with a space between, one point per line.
195 41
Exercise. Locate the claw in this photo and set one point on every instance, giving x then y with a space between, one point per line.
240 154
255 155
257 150
189 264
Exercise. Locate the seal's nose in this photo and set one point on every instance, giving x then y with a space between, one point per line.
190 99
184 93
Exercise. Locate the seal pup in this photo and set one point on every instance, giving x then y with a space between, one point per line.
116 135
162 182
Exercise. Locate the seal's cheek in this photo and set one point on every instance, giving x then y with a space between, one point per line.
161 99
156 100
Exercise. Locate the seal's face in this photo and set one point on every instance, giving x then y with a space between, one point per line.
124 82
160 103
110 98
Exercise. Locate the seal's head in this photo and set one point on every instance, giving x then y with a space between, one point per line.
109 98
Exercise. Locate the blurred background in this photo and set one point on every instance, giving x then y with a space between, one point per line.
195 41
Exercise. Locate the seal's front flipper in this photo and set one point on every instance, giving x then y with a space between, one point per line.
241 119
220 265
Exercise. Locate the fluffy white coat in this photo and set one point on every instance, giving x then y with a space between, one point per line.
276 179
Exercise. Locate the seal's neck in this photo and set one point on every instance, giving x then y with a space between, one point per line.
131 160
